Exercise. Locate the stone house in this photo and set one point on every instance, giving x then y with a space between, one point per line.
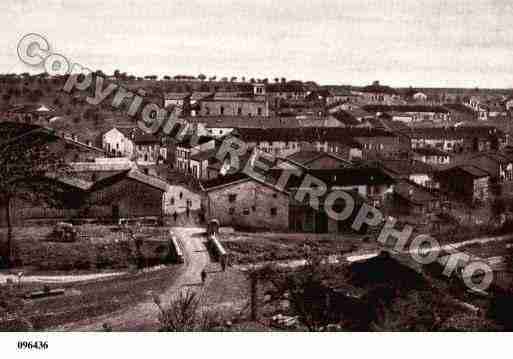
432 156
412 113
411 199
243 202
457 139
377 94
465 182
409 169
119 141
180 100
149 150
129 194
236 104
189 146
180 198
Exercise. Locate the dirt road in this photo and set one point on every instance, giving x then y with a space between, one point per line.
144 316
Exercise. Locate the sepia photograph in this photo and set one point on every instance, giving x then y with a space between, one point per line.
261 167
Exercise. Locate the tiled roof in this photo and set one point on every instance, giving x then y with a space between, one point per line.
132 174
306 157
406 166
221 181
224 180
99 167
412 192
430 151
335 134
405 108
471 170
343 177
454 132
176 95
146 138
189 141
71 181
377 88
201 95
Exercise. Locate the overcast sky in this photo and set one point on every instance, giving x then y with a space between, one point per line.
399 42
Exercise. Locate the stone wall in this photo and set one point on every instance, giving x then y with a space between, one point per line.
251 208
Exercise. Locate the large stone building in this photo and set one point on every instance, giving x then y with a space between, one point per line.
236 104
242 202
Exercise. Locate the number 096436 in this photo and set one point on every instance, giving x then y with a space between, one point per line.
33 345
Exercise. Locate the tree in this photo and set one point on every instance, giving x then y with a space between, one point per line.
116 74
28 168
233 79
202 77
184 314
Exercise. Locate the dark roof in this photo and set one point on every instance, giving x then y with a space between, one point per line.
405 108
377 88
341 92
406 166
146 138
413 192
345 135
458 107
235 178
386 124
430 151
346 118
351 176
224 180
469 169
176 95
134 175
306 157
449 132
189 141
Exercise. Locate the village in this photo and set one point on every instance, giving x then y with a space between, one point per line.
120 222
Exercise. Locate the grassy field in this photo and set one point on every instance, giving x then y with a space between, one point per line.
244 248
98 247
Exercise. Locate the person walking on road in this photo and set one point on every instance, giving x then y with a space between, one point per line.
203 276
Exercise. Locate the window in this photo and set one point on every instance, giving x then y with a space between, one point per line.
259 111
221 110
274 211
245 211
231 210
181 195
172 201
275 195
207 110
239 111
232 198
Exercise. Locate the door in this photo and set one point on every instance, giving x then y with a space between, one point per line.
115 213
